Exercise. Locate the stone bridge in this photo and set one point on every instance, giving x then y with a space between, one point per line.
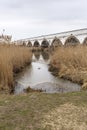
73 37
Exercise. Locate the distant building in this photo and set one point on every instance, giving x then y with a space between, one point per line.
5 38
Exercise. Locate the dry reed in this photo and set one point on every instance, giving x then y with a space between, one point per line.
71 63
12 59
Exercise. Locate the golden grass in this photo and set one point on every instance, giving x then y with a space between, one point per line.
12 59
71 63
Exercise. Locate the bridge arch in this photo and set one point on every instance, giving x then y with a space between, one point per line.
36 44
29 44
24 43
56 42
85 41
45 43
71 41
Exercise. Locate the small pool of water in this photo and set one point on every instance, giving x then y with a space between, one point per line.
37 76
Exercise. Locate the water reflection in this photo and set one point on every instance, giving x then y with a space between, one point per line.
37 55
45 55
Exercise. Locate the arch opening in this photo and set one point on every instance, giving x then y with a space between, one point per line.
56 42
29 44
36 44
45 44
72 41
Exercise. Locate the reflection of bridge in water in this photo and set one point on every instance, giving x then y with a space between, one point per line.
74 37
45 55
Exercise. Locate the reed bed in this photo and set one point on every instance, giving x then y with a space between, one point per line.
12 60
71 63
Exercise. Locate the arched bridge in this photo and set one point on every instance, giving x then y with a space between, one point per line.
73 37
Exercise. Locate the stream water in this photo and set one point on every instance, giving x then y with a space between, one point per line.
37 76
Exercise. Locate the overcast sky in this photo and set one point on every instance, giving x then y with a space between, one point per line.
27 18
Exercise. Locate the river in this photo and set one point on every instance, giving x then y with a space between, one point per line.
37 76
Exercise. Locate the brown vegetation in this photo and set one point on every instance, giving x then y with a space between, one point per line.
12 60
29 90
71 63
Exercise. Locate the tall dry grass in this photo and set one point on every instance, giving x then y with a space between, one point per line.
71 63
12 59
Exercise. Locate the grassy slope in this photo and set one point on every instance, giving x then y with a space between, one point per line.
38 111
